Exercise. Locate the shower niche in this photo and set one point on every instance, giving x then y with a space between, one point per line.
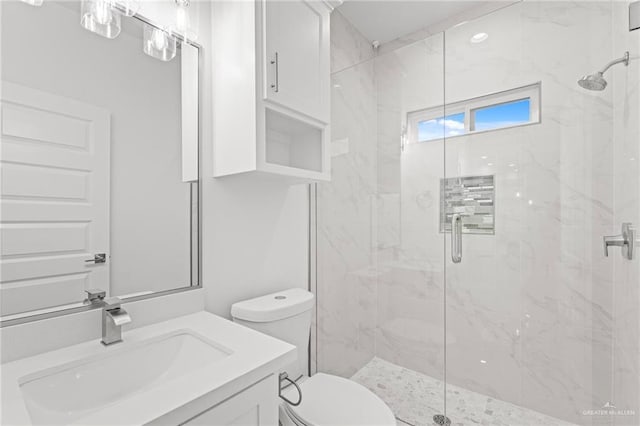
473 198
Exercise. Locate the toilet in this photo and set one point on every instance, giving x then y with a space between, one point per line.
327 400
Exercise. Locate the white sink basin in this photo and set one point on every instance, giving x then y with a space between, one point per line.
66 393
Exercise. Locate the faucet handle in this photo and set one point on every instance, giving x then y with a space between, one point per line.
95 295
112 303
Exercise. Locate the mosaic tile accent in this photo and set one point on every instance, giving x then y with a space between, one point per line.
414 398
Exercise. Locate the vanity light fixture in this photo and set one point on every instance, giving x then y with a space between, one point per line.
126 7
158 43
183 25
100 17
33 2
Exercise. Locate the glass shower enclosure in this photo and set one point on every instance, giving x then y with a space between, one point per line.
460 265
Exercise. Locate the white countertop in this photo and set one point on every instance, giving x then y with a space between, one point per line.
254 357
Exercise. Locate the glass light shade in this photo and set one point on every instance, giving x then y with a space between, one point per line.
126 7
186 20
98 16
33 2
158 43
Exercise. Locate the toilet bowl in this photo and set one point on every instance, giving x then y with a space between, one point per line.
327 400
331 401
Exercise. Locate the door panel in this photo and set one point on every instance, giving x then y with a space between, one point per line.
297 42
54 205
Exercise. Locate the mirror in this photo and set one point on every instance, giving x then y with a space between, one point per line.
99 157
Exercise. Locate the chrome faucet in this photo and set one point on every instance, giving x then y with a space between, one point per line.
113 318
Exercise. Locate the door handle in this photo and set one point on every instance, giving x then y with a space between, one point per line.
456 238
276 85
98 258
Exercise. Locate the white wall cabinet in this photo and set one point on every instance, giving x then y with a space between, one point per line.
271 88
296 56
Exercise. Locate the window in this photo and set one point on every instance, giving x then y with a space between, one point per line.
497 111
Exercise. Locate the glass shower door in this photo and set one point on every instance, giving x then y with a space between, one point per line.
541 326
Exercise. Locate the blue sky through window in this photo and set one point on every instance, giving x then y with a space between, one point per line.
502 115
451 125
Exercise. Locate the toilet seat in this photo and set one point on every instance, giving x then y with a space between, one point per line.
329 400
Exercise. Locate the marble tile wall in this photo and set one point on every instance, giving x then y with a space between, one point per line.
529 310
346 263
535 315
626 174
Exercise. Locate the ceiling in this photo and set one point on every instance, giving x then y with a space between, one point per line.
386 20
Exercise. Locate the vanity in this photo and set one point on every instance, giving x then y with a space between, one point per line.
197 369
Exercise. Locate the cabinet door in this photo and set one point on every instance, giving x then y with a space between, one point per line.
296 56
255 406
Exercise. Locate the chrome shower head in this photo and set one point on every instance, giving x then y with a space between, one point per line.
593 82
596 80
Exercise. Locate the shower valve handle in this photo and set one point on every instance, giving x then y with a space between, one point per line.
626 241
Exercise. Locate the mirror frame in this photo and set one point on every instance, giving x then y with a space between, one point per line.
196 217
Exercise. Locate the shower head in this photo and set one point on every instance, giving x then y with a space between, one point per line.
596 80
593 82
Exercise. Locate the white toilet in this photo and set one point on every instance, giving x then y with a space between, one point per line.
327 400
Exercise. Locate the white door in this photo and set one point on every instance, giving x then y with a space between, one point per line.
297 56
54 199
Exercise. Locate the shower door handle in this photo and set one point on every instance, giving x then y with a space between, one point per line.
456 238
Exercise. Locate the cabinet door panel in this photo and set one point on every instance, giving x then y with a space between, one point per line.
255 406
296 56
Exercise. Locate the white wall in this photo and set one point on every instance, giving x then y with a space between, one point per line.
254 229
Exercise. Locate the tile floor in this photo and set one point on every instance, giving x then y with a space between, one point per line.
415 398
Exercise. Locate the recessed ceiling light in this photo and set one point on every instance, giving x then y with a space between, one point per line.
479 38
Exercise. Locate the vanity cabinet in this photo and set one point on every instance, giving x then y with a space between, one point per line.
271 89
257 405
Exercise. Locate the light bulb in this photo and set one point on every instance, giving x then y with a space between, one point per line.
184 24
98 16
159 39
158 43
182 18
102 12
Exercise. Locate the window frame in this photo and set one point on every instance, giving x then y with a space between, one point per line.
468 107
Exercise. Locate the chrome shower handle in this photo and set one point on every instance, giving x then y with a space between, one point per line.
456 238
626 241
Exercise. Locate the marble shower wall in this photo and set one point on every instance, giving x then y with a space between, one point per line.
626 193
346 262
529 310
535 315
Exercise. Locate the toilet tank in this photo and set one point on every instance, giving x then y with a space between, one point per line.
285 315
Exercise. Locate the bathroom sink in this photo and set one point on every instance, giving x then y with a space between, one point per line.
68 392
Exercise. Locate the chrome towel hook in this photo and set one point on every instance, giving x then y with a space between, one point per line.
285 377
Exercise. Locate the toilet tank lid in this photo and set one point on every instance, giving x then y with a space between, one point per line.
273 307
